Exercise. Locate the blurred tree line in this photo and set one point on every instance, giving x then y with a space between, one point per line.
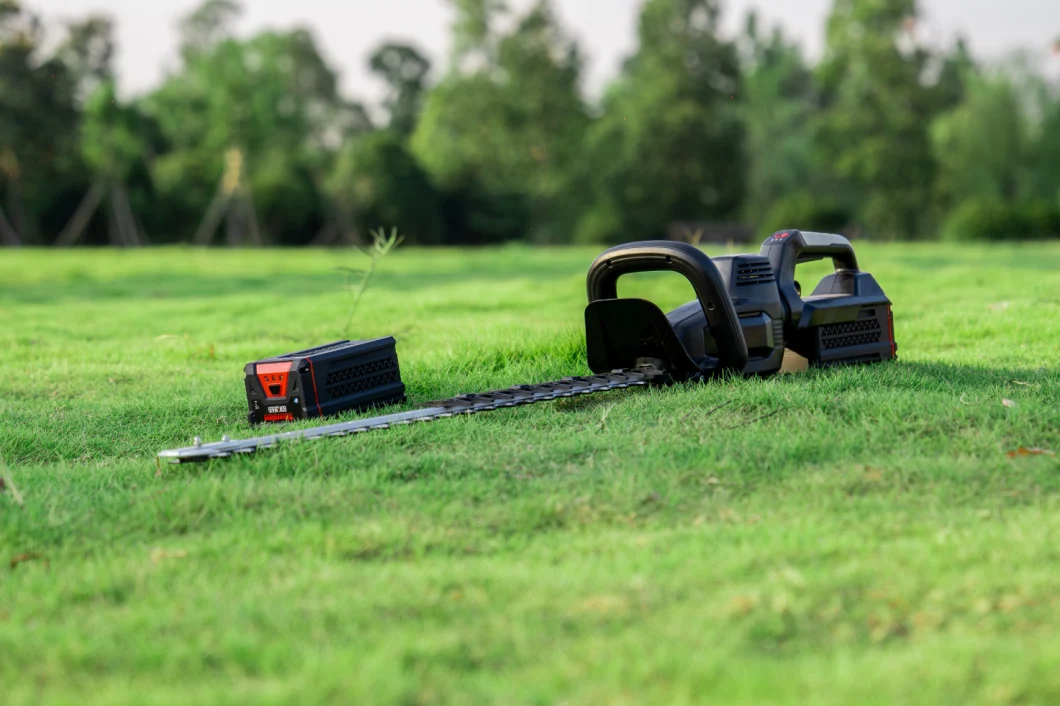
251 141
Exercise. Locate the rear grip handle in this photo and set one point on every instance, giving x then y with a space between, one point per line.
802 246
696 267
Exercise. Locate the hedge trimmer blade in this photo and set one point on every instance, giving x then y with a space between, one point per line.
462 404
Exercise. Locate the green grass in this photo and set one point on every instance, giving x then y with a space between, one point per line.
869 543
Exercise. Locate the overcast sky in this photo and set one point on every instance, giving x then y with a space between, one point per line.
348 29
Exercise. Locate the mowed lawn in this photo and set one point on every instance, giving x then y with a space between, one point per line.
845 536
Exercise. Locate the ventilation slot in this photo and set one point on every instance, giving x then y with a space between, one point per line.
855 333
361 378
754 271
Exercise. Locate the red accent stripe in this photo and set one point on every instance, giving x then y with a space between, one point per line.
279 417
316 396
890 323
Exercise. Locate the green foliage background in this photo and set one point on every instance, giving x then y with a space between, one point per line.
887 136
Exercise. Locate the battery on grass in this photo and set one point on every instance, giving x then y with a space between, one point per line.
322 381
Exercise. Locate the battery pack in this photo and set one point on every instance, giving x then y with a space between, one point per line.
319 382
866 336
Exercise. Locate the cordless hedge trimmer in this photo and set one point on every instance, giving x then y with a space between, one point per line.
748 309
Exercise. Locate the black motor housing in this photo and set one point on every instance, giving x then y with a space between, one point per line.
748 309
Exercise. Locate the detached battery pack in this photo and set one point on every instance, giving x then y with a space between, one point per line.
319 382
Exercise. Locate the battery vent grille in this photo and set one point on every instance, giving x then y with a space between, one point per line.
753 270
778 332
854 333
362 377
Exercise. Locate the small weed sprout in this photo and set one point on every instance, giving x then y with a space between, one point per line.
357 280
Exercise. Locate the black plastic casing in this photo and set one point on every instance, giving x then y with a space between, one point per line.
326 380
751 284
748 309
847 319
626 333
